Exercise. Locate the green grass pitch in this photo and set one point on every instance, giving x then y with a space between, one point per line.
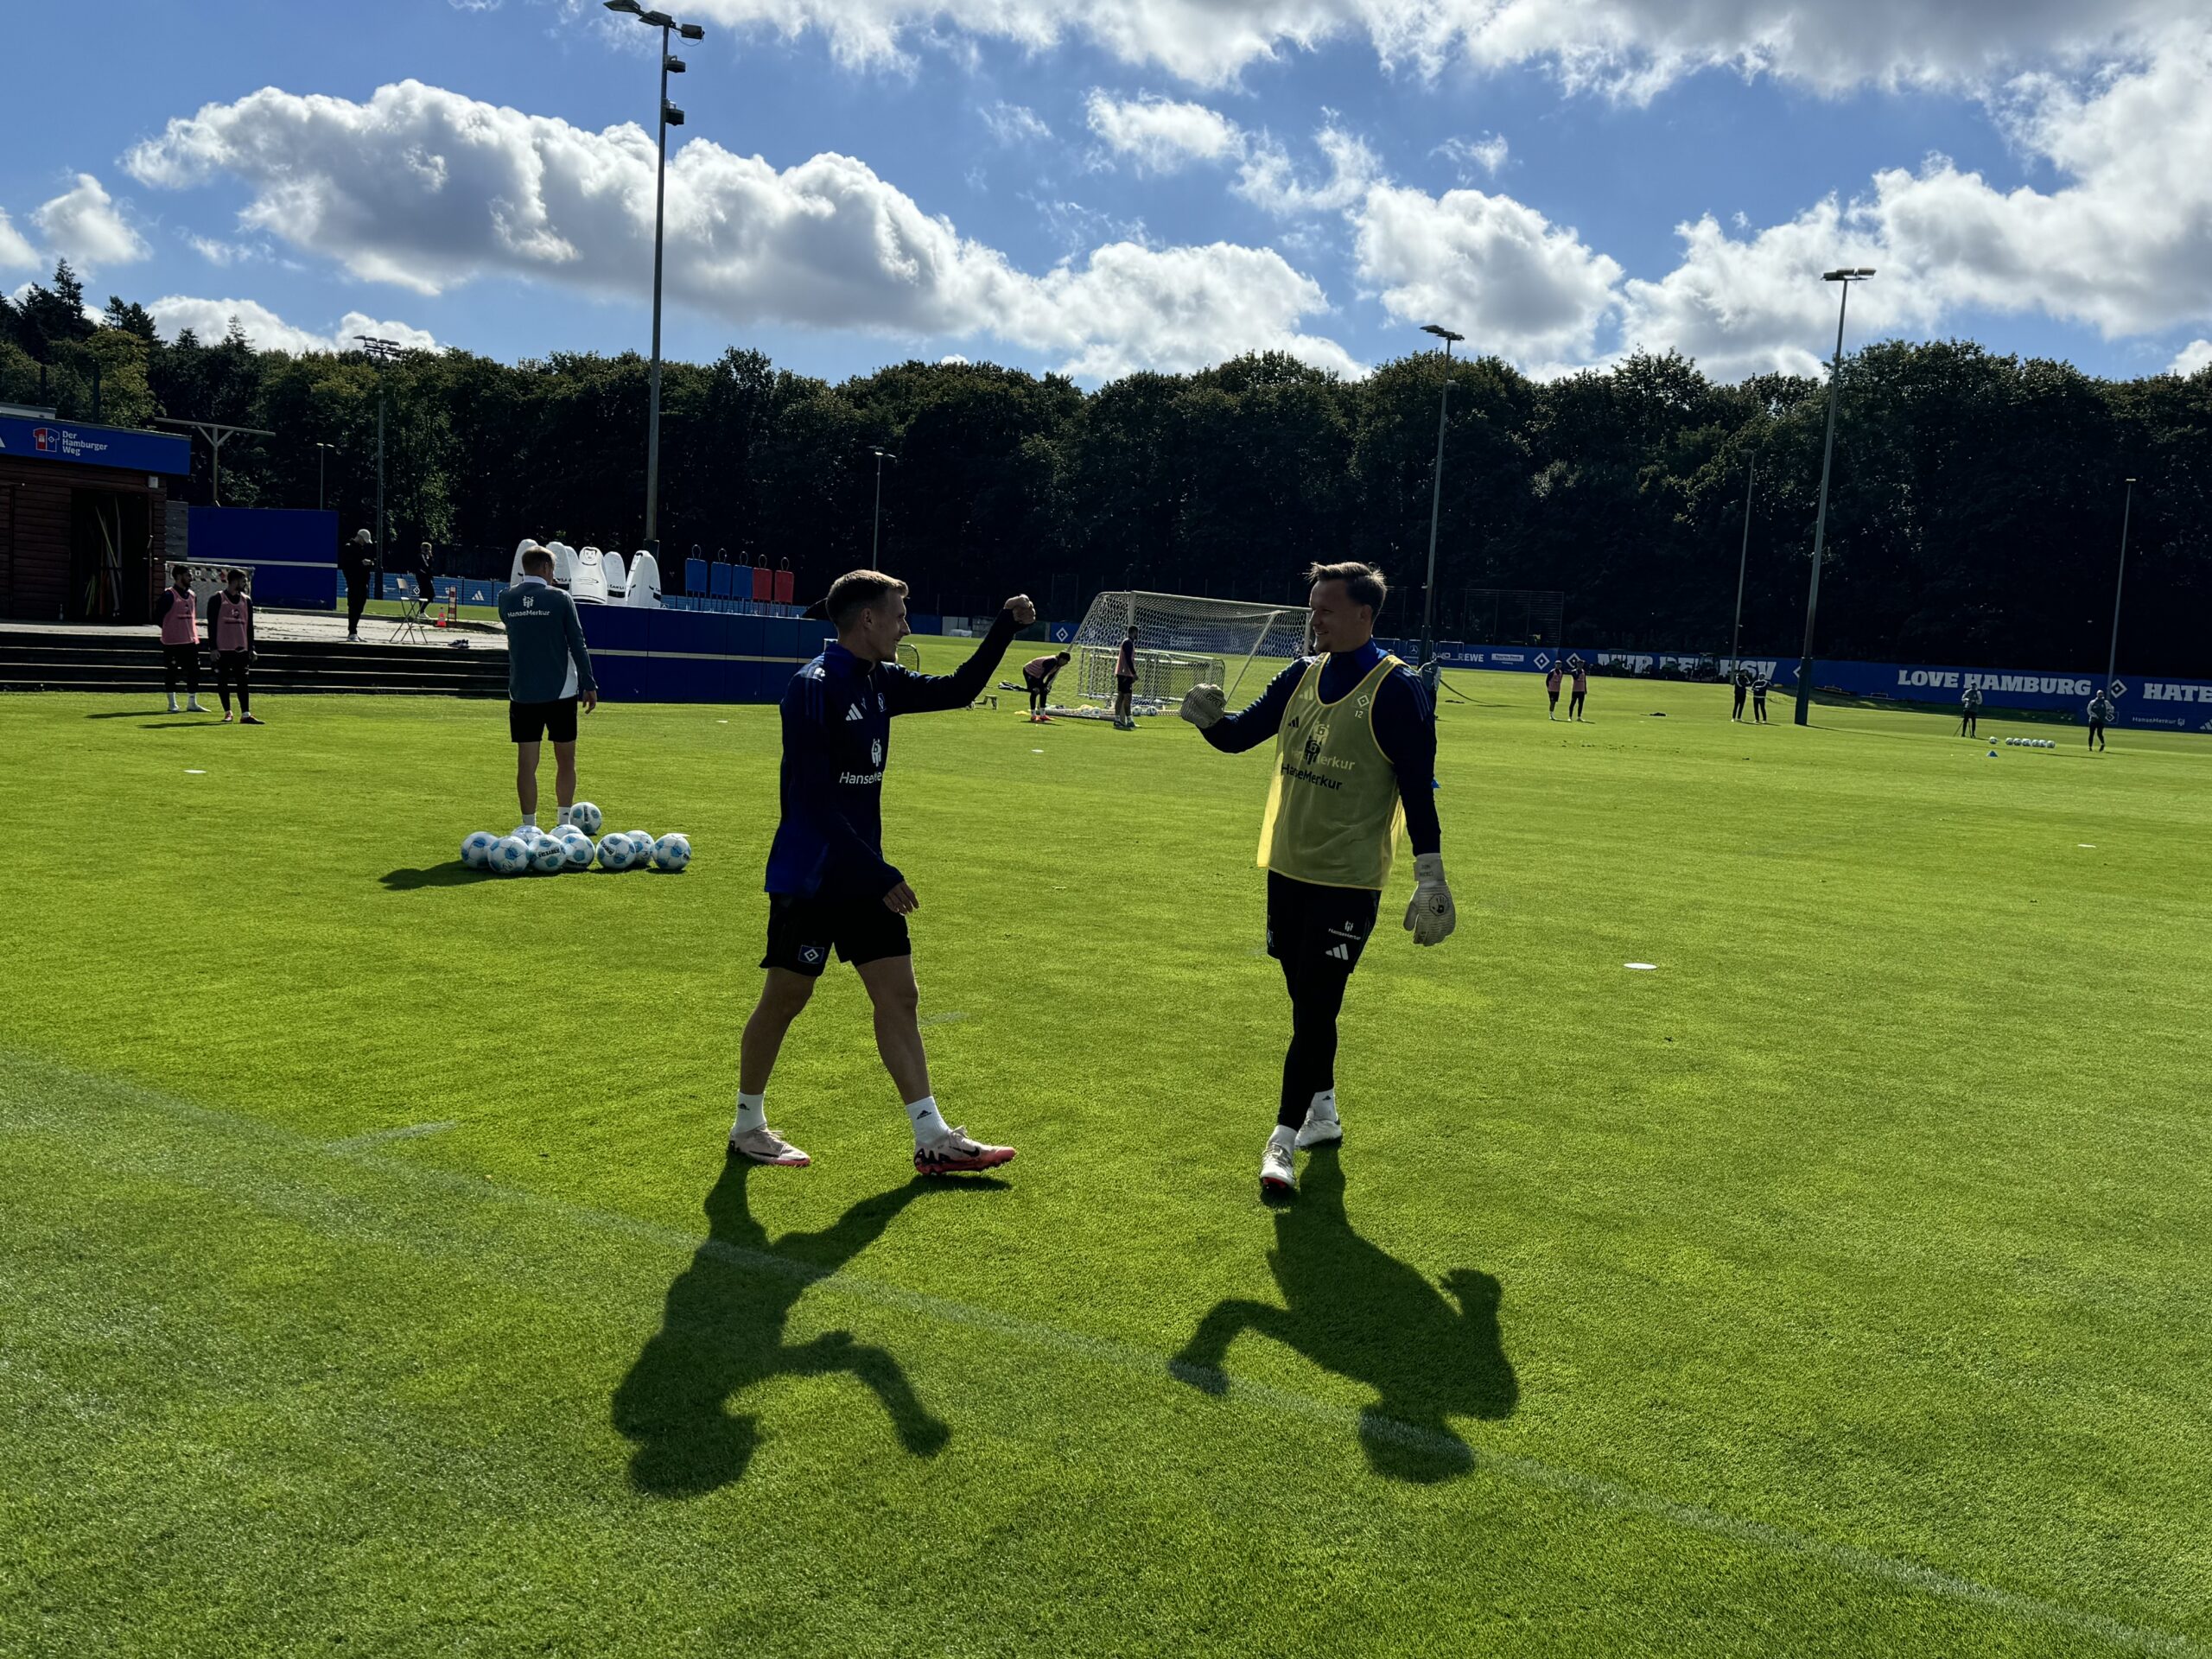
370 1282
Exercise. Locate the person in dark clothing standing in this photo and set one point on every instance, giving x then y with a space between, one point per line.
829 885
1580 686
1970 712
1741 680
230 630
1355 757
1760 684
180 626
549 679
426 575
360 575
2100 714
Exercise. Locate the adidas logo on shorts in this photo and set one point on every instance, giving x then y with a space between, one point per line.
854 713
1342 953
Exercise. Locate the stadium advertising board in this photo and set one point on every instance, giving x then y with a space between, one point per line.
2152 702
94 446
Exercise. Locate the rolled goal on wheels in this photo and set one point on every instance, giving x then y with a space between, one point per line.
1181 641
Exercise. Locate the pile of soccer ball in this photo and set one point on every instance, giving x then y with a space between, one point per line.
2030 743
569 847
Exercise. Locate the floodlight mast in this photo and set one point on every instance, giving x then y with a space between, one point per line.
379 351
670 117
875 530
2120 583
1846 276
1435 500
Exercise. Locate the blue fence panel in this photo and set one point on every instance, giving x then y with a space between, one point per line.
695 576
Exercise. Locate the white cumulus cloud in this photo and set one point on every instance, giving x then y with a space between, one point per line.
426 189
1489 267
1159 135
16 253
2192 358
1626 48
84 224
211 320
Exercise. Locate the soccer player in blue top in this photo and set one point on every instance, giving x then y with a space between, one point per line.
1354 757
829 886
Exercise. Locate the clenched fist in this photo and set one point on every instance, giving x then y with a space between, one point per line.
1025 612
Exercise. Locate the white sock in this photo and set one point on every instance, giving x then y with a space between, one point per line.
929 1122
1286 1135
529 820
172 703
1324 1104
752 1114
563 818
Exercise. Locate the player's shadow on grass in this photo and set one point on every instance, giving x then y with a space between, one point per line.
1355 1310
455 874
722 1332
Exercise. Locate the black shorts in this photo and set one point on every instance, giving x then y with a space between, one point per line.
528 721
802 930
1036 687
1125 683
1311 926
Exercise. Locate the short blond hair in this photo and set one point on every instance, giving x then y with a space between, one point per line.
856 590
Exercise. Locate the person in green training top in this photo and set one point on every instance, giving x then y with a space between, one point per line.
1355 756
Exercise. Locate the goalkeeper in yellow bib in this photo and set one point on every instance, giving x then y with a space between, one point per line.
1355 758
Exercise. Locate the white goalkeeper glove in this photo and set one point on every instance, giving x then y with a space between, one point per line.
1430 917
1203 704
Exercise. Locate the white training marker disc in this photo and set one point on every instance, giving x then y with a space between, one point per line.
2087 846
1643 966
195 772
1036 750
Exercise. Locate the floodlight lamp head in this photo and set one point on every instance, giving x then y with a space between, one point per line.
630 6
674 65
670 114
691 31
1440 332
659 19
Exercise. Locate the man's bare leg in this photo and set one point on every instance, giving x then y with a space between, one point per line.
564 775
526 778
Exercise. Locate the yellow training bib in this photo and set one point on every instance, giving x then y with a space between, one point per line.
1333 810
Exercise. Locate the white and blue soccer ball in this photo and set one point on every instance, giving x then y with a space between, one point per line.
577 847
508 855
476 850
671 852
585 817
548 857
616 851
642 840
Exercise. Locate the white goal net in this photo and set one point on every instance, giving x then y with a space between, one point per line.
1181 641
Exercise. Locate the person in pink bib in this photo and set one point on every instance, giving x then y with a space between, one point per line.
230 630
179 625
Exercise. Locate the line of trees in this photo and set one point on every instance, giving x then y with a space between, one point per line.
1974 514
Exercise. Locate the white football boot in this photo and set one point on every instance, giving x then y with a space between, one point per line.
1322 1126
1278 1174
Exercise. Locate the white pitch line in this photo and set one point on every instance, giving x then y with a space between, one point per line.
378 1137
1527 1472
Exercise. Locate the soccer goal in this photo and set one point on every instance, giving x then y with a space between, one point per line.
1181 641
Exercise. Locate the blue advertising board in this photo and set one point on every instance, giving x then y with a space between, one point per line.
2151 701
290 554
74 443
695 656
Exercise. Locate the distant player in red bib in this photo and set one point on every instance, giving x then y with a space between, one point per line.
1551 690
1037 679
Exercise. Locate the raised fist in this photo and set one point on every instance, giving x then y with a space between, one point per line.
1203 704
1025 612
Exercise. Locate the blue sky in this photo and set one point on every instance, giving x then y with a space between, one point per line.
1121 184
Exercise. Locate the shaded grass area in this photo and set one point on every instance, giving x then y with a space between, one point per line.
1838 1286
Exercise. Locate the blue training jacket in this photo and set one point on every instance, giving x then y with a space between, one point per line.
837 713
